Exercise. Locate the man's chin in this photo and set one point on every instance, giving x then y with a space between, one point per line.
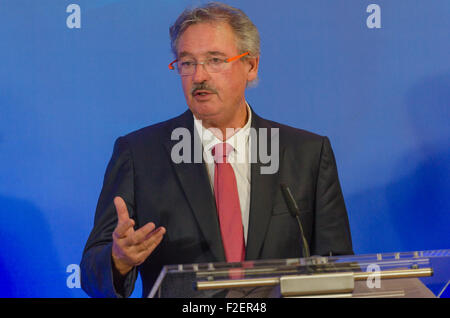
205 112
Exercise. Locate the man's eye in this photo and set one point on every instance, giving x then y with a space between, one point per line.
215 60
186 63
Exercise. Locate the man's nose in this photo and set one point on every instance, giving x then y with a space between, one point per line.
200 74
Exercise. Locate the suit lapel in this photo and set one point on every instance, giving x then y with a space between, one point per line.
262 192
194 180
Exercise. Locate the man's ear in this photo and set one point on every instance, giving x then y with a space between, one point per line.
253 62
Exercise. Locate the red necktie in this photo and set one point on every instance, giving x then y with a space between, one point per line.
227 203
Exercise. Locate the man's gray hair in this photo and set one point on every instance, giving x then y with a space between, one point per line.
247 34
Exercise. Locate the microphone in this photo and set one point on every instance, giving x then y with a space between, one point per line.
295 212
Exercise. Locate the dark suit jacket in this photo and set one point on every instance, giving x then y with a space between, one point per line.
179 197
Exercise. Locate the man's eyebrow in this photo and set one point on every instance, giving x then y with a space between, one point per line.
216 53
184 54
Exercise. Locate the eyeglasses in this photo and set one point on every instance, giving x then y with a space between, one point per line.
188 66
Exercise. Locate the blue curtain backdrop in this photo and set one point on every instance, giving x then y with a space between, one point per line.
377 83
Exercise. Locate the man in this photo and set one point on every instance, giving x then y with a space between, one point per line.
155 209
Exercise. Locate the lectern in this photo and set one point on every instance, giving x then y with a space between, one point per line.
405 274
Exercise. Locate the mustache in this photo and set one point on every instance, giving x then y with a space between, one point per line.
203 87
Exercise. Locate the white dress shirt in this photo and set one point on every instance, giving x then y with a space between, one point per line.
238 158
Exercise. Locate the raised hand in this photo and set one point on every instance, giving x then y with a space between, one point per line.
131 248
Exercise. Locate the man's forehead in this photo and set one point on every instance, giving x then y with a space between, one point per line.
207 39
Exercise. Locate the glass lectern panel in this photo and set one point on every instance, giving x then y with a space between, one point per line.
404 274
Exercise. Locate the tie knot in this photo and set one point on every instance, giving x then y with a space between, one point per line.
221 151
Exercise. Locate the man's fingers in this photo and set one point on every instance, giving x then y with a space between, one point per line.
143 233
121 208
152 240
138 253
122 228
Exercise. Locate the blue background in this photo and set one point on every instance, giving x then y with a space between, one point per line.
381 95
